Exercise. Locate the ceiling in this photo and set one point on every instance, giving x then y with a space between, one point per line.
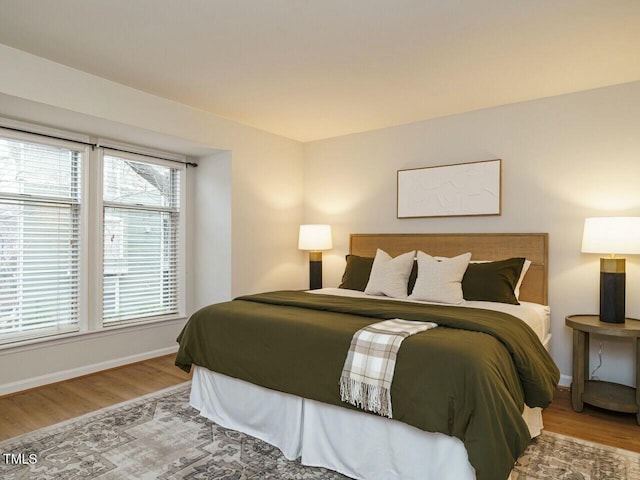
312 69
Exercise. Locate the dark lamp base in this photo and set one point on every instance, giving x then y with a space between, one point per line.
315 270
612 290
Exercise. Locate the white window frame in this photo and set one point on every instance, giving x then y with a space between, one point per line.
90 293
83 231
180 251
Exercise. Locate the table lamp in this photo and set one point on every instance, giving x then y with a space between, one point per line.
612 235
315 238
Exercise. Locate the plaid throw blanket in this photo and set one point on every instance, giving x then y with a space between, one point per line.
368 370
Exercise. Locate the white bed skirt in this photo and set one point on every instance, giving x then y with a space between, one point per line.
356 444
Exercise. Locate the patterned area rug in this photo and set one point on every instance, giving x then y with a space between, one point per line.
161 436
552 456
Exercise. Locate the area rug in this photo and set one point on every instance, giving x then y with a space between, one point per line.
161 436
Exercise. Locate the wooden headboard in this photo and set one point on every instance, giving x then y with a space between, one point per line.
483 246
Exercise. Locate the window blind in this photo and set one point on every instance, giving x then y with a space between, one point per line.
40 202
140 252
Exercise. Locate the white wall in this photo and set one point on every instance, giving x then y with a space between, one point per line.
245 206
564 158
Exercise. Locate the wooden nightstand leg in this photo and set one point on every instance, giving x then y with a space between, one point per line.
580 368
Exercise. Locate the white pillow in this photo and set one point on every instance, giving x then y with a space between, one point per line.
523 272
390 276
440 280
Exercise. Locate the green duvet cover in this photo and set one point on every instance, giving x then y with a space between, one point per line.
469 378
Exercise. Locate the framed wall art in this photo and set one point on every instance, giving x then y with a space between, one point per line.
463 189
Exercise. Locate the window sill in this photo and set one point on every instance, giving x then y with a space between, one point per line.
51 341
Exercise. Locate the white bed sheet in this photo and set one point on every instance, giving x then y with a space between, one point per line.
533 314
357 444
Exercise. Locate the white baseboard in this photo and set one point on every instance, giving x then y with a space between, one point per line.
33 382
565 381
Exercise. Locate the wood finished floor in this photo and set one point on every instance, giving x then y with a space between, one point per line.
595 424
43 406
40 407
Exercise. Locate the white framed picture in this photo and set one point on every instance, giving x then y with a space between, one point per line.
458 190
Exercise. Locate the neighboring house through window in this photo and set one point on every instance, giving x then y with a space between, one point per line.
141 215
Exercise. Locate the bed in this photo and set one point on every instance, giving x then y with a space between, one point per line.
475 432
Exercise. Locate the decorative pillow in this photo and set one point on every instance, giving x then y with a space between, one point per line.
390 276
493 281
356 273
525 269
439 280
413 276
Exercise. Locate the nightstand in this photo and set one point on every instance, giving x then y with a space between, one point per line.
611 396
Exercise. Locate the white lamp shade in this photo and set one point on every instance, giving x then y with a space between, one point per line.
315 237
612 235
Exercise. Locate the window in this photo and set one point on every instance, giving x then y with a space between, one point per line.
40 203
86 232
141 218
